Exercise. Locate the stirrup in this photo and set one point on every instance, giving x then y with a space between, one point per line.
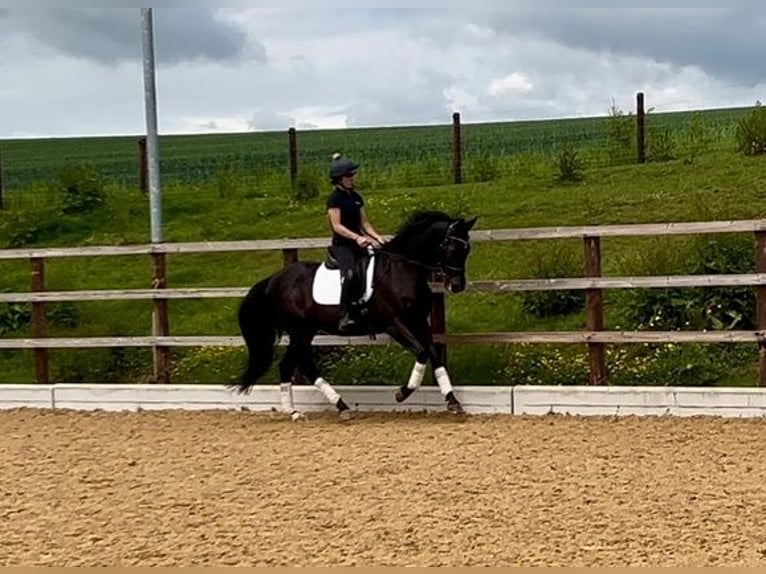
346 322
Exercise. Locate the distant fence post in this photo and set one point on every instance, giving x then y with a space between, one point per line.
2 182
640 128
143 169
760 305
39 323
293 146
594 309
457 149
161 326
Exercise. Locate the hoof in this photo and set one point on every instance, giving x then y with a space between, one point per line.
402 394
346 415
297 417
456 408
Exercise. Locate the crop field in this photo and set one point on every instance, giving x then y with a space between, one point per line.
391 156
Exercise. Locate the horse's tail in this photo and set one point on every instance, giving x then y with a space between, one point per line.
257 322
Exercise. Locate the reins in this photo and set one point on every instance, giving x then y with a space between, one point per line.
400 257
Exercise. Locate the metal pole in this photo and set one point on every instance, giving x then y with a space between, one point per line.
152 145
160 326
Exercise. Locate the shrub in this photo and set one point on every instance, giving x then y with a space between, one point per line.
619 136
83 189
15 317
698 307
569 164
694 139
661 145
226 183
481 167
307 184
751 132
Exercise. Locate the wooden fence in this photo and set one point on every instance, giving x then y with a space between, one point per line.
595 336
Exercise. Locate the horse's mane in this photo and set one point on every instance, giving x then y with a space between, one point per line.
414 226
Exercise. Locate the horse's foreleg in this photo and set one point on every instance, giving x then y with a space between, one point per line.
420 342
445 385
404 335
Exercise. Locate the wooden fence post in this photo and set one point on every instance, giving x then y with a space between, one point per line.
760 305
594 312
293 154
143 167
457 149
289 256
39 323
161 324
640 128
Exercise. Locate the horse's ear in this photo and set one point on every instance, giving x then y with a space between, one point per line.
470 223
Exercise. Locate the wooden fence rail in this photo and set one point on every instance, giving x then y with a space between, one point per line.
595 336
481 235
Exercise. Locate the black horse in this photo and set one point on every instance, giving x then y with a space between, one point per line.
399 305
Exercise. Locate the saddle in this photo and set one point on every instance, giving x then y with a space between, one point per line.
327 285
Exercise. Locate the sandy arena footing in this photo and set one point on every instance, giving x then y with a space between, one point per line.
237 488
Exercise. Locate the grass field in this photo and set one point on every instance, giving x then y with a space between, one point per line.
236 187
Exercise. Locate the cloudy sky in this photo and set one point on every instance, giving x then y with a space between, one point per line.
79 71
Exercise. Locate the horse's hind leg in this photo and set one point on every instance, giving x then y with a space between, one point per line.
306 361
286 369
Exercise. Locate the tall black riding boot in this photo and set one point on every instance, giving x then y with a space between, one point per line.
347 321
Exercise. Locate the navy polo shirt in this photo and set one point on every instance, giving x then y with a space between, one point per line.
350 204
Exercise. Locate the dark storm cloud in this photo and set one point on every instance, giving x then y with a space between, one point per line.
112 35
728 43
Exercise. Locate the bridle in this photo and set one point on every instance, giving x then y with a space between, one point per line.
443 248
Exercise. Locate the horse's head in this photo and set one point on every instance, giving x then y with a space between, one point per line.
438 242
453 252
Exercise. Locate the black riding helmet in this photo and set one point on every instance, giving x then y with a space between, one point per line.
341 166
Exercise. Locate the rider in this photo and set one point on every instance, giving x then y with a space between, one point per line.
352 231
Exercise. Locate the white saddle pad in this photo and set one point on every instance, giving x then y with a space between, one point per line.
326 287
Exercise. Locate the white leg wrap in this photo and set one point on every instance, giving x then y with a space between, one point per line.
416 376
443 379
286 397
327 390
